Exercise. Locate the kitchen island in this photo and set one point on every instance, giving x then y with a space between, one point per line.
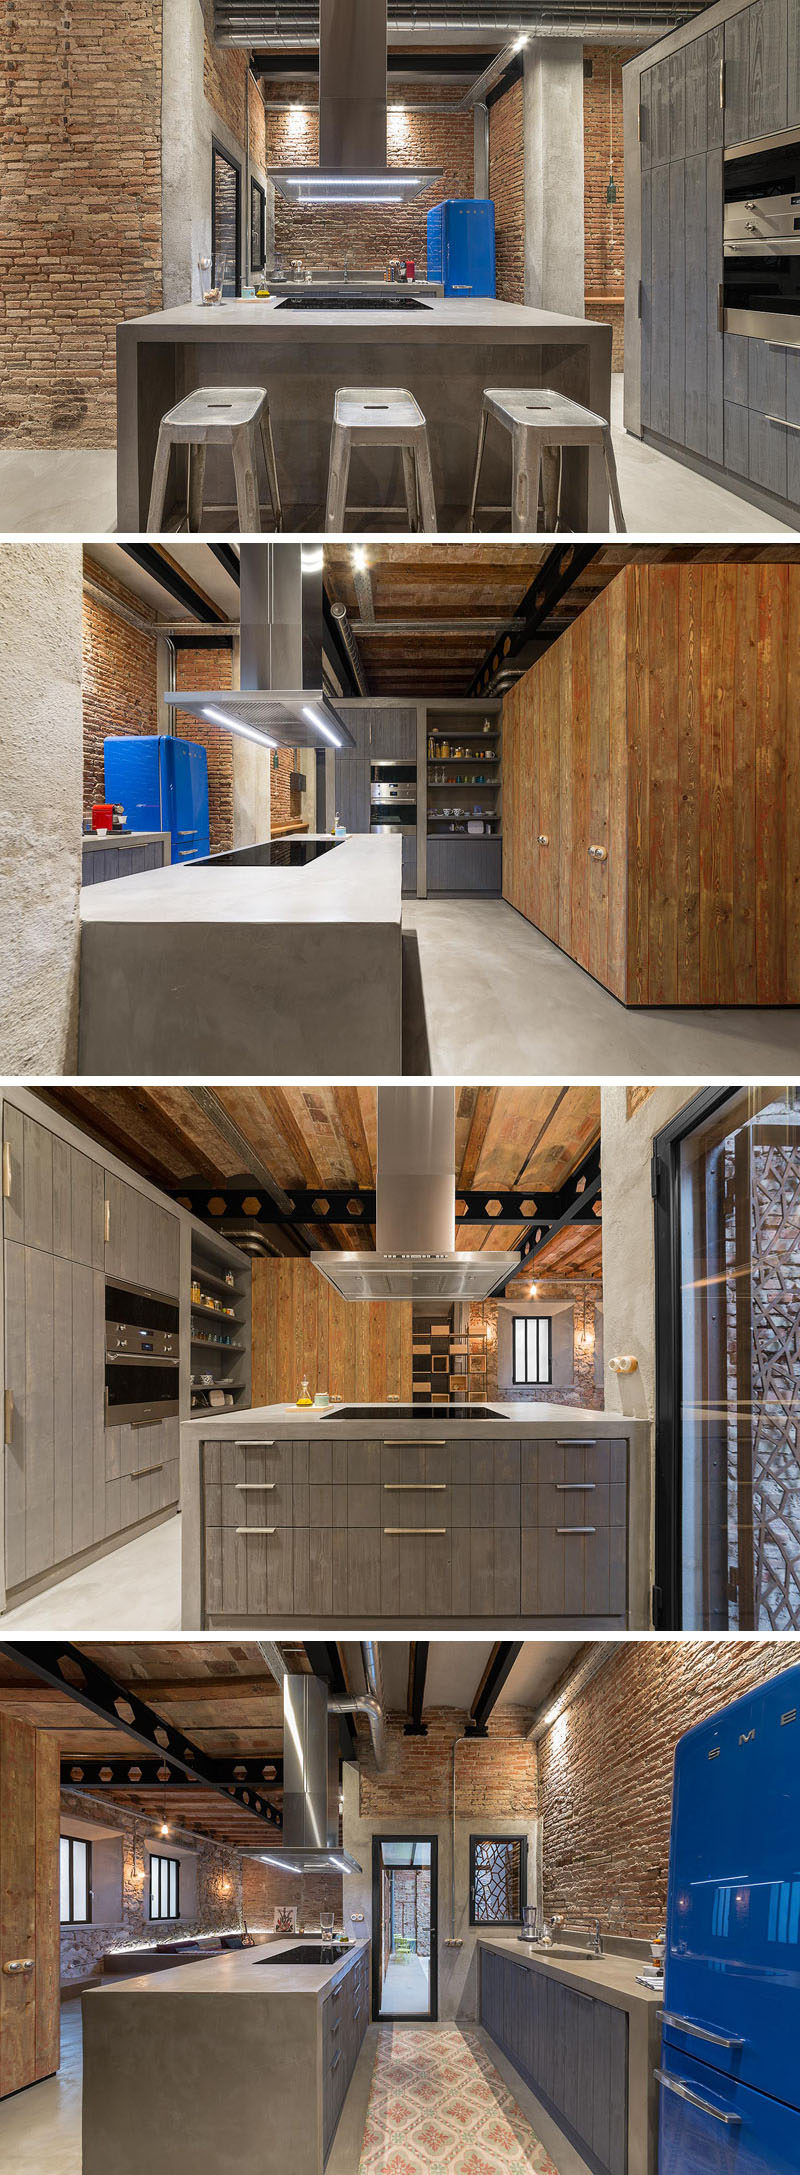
530 1514
236 2061
444 351
585 2037
278 967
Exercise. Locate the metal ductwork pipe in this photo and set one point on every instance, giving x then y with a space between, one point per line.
369 1703
350 646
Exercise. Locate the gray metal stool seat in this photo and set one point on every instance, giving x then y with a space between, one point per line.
218 415
541 423
381 416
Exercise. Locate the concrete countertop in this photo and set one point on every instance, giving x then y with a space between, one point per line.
235 320
568 1421
237 1971
359 882
93 840
611 1978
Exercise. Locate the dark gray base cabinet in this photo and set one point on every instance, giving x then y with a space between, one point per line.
345 2016
102 866
387 1530
459 863
570 2049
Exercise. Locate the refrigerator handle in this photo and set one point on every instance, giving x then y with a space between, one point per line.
699 2031
682 2091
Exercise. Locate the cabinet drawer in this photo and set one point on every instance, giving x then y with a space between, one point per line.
574 1503
416 1572
570 1572
249 1573
426 1463
485 1572
554 1461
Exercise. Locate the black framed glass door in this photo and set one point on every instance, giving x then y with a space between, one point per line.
226 221
726 1182
405 1889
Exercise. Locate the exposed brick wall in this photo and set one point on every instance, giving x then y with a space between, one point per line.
210 668
371 236
80 209
119 675
224 72
604 248
605 1772
496 1775
284 801
411 1891
507 186
218 1898
263 1887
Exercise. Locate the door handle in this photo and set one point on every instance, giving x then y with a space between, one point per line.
414 1529
682 2091
699 2031
254 1487
422 1442
598 853
571 1487
8 1417
17 1965
576 1529
543 838
255 1529
6 1170
107 1221
404 1487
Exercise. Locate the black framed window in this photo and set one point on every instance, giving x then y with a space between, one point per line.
75 1869
498 1879
726 1185
226 220
532 1348
165 1887
258 225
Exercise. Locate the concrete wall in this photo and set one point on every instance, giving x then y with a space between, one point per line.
496 1794
554 203
628 1238
41 751
204 96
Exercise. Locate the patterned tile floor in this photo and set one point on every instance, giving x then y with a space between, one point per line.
438 2104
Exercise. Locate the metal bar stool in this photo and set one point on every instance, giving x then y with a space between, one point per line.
389 417
541 423
218 415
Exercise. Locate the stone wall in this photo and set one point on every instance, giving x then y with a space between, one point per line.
507 186
370 236
40 807
585 1386
217 1901
605 1772
80 233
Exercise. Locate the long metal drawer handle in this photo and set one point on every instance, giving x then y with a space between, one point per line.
414 1529
336 2060
568 1487
8 1417
146 1471
336 1994
254 1487
256 1442
256 1529
672 2084
783 421
579 1442
421 1442
576 1529
335 2027
401 1487
698 2031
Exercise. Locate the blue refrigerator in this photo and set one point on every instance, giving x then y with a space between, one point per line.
162 784
730 2060
461 245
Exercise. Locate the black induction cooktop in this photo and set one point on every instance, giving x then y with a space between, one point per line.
415 1412
334 298
271 853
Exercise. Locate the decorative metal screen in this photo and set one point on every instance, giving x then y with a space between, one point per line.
497 1880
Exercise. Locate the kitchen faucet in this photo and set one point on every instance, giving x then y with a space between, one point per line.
596 1940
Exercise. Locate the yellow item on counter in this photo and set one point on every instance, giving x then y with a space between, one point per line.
304 1396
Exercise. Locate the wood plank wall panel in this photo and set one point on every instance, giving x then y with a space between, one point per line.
665 727
29 1921
361 1353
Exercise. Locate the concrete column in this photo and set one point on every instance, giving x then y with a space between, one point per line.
165 721
185 152
553 141
251 781
41 736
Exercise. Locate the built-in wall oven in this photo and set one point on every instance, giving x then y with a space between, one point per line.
761 239
142 1356
393 796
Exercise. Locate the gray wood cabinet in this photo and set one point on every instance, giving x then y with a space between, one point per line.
393 734
345 2016
143 1239
768 63
459 863
571 2049
737 77
102 865
352 775
382 1531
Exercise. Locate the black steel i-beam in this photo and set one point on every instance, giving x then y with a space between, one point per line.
563 566
354 1205
70 1671
418 1670
146 1774
575 1204
496 1675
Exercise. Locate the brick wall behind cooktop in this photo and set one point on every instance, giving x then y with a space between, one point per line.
371 236
605 1772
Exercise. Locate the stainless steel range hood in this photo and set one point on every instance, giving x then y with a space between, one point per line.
416 1255
310 1842
281 701
353 166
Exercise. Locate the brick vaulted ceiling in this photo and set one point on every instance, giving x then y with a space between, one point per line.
511 1137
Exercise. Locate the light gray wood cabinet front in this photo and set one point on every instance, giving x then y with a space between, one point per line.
142 1239
571 2049
345 2016
574 1527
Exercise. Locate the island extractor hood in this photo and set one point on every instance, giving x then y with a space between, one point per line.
310 1840
280 702
416 1256
353 168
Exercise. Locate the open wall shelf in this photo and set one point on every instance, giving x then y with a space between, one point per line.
220 1340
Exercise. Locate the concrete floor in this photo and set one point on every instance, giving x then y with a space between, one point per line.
41 2127
406 1988
73 489
502 1001
135 1590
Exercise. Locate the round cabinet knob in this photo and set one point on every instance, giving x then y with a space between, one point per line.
598 853
18 1964
543 838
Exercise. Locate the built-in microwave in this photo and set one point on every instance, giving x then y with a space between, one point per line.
142 1360
761 239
